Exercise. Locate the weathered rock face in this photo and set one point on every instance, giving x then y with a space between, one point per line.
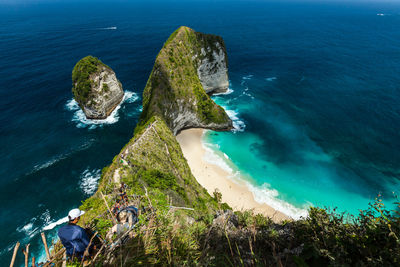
213 68
96 88
176 90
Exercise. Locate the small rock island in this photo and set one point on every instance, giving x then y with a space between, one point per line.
96 88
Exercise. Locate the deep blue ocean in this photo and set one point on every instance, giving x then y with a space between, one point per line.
315 97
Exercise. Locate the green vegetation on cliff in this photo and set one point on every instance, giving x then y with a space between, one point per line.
153 159
174 84
81 83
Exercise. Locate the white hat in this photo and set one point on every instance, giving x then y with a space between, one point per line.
75 213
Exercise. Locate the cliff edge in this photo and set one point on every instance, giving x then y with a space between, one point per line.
96 88
190 66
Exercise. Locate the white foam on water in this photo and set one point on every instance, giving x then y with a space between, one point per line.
89 179
108 28
45 217
238 125
248 77
58 158
82 122
228 92
131 97
264 194
48 163
53 224
270 79
29 229
211 157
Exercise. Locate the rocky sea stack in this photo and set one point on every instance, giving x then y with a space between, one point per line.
189 67
96 88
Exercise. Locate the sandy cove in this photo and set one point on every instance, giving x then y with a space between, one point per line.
211 177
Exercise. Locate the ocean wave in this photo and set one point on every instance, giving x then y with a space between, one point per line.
82 122
48 163
89 180
238 125
130 97
270 79
108 28
45 217
248 77
245 78
228 92
53 224
213 158
29 229
58 158
265 194
248 94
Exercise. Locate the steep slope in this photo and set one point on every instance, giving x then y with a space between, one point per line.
154 159
175 91
96 88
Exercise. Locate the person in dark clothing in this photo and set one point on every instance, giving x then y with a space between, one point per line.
124 196
116 208
73 237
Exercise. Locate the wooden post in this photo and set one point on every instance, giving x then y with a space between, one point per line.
14 254
87 248
112 215
26 253
45 246
64 264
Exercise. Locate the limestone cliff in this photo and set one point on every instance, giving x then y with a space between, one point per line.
190 65
213 65
96 88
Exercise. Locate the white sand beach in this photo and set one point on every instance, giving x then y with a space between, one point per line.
212 177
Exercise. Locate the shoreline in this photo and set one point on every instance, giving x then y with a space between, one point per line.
211 177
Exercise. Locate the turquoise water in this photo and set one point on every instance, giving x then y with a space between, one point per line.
316 94
311 178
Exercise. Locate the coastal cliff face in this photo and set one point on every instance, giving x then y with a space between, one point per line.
96 88
213 64
189 66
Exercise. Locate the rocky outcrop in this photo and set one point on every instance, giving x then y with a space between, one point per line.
96 88
190 66
213 67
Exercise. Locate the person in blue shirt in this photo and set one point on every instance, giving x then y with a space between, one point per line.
73 237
